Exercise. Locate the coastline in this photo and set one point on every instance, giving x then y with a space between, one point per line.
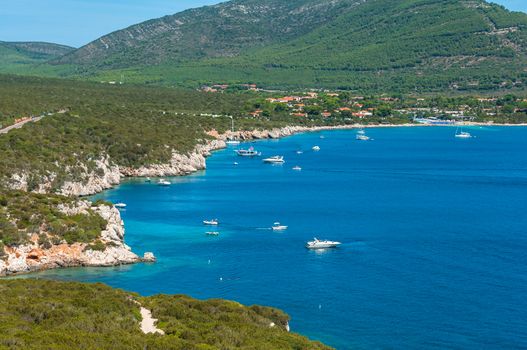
32 258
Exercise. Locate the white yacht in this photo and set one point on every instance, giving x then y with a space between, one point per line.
274 160
163 182
213 222
316 148
297 168
279 227
299 152
120 205
361 132
463 135
213 233
248 152
318 244
232 142
362 137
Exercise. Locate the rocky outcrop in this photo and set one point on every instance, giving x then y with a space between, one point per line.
33 257
104 176
180 164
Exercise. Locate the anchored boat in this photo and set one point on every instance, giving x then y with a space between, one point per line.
213 222
318 244
248 152
274 160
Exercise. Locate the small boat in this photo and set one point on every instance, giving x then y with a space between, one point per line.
318 244
164 183
274 160
248 152
464 135
297 168
120 205
148 179
232 142
361 132
322 137
299 152
316 148
278 227
362 137
213 222
235 163
213 233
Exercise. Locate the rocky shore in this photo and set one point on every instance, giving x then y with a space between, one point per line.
34 257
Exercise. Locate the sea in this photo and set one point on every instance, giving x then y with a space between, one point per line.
433 232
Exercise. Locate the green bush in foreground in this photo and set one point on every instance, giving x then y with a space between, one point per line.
37 314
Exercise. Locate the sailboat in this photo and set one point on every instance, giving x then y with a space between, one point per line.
460 134
232 142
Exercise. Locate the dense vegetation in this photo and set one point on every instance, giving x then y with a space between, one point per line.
38 314
25 57
367 46
23 214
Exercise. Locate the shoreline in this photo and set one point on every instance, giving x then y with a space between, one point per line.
180 165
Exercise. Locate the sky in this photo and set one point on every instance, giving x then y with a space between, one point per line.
77 22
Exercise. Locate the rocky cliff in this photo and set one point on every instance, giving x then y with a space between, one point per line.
34 256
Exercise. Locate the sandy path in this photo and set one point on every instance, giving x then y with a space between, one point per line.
148 324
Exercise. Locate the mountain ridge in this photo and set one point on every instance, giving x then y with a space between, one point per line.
364 45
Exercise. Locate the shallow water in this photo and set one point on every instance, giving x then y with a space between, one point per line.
434 232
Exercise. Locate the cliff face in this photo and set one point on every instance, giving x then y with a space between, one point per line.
33 257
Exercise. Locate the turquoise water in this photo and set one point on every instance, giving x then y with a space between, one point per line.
434 233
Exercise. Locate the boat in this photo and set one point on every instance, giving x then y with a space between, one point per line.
120 205
316 148
361 132
213 222
248 152
362 137
232 142
213 233
164 183
463 135
299 152
297 168
148 179
274 160
278 227
319 244
235 163
460 134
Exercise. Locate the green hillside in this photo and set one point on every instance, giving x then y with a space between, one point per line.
25 57
38 314
365 45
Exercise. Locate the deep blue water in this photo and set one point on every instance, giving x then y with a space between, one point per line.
434 232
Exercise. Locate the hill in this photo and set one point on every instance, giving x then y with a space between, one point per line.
22 56
367 45
38 314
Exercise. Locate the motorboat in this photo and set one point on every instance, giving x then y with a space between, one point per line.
464 135
319 244
362 137
361 132
251 152
120 205
164 183
274 160
299 152
213 233
316 148
297 168
148 180
213 222
278 227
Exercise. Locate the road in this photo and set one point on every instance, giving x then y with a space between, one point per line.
19 125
